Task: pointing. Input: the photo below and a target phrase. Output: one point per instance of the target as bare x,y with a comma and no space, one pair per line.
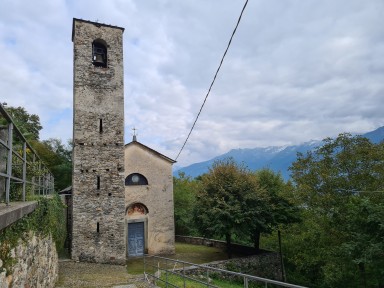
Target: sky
297,70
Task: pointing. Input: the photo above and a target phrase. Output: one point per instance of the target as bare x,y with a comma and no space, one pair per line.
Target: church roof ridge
151,150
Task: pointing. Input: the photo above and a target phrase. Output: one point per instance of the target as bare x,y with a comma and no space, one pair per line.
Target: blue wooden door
136,239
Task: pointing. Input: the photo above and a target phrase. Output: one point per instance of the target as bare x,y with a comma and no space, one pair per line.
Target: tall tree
55,155
280,211
29,124
227,201
184,191
340,186
58,158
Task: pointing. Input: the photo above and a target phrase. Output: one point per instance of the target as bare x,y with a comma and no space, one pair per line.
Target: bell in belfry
98,58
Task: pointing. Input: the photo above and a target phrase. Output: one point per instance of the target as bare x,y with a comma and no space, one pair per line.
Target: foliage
54,154
279,211
28,124
228,201
58,158
34,169
340,242
47,219
184,189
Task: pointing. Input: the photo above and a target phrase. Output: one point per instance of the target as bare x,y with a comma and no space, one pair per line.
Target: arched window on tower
135,179
99,53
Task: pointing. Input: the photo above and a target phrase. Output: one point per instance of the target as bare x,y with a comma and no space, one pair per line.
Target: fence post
245,282
39,177
184,273
144,265
166,273
33,174
9,162
24,168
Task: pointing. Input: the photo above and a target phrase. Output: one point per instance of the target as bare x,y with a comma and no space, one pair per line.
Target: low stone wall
36,264
236,248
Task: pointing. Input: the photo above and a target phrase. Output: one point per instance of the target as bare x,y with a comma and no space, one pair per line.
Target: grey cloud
296,70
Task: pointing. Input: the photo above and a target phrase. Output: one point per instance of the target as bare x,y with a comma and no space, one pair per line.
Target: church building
122,195
148,200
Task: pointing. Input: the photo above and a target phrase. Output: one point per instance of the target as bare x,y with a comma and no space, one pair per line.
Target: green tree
340,242
28,124
184,190
58,158
54,154
228,201
280,211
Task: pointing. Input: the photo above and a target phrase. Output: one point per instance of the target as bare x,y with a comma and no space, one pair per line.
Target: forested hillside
330,215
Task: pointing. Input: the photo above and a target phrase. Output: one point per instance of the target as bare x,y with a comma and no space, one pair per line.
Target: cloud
295,70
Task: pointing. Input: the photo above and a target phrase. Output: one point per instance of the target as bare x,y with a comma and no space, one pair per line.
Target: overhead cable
213,81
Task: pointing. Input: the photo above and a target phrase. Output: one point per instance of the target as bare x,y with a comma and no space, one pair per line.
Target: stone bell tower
98,143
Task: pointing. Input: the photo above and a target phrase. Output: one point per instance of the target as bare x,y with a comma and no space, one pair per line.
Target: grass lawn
179,282
196,254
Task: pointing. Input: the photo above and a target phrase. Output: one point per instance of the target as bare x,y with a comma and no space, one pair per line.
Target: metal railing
168,272
19,163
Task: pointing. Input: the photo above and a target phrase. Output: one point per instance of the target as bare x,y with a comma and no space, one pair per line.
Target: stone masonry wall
36,264
236,248
98,152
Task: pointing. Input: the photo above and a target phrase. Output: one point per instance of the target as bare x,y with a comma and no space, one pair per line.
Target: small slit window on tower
98,183
101,126
99,54
97,227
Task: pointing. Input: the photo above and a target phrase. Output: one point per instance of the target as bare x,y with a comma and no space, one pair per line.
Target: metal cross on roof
134,134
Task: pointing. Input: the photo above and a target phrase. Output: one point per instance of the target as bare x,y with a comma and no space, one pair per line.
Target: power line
214,79
354,191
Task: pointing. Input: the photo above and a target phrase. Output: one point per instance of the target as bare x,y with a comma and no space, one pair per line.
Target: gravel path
92,275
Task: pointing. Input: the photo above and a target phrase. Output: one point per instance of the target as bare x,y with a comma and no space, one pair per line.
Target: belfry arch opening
99,53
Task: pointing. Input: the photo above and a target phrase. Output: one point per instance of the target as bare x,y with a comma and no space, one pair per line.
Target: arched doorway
137,226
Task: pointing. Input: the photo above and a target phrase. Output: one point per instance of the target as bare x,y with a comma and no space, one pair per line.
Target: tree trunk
229,248
256,240
362,273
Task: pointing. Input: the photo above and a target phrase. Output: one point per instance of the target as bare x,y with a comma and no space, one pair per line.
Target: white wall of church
157,196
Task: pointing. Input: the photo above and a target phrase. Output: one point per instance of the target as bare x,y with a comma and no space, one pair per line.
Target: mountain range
276,158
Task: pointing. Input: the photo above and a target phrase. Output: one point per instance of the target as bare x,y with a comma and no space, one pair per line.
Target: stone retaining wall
236,248
36,264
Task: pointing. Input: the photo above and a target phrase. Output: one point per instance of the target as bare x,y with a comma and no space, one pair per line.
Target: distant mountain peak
277,158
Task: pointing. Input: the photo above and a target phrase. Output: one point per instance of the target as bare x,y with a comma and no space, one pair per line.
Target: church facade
122,195
148,200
